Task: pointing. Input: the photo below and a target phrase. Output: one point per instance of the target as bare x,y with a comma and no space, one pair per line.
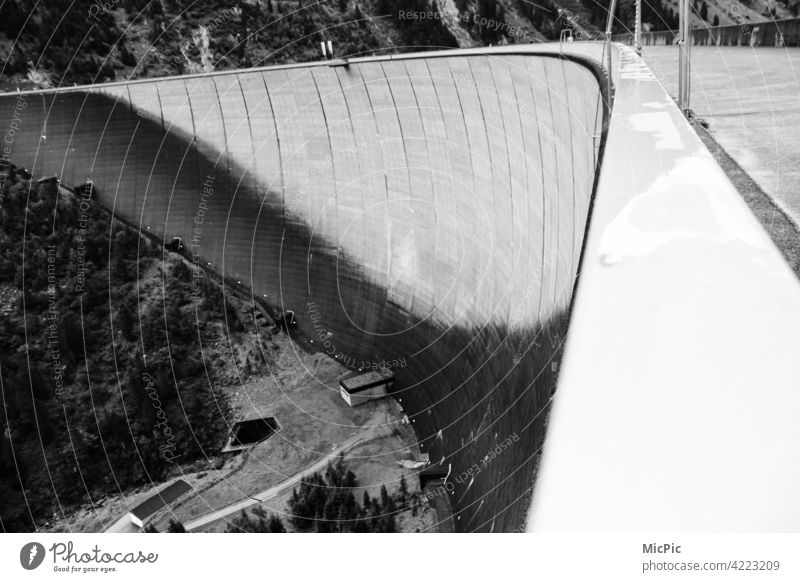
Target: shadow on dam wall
466,390
457,261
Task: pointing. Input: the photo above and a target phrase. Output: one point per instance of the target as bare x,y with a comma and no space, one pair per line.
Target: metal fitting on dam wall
429,211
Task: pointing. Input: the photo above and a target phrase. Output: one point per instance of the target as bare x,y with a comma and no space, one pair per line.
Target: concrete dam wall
778,33
427,212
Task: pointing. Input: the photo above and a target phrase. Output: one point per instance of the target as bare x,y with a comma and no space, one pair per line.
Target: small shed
142,513
362,388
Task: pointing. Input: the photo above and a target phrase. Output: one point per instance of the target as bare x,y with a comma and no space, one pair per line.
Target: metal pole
637,31
688,66
680,54
609,25
683,17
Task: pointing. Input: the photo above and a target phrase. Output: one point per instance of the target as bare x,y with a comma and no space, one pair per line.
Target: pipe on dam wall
429,211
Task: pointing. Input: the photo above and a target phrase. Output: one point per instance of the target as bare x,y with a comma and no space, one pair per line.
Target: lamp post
637,30
684,44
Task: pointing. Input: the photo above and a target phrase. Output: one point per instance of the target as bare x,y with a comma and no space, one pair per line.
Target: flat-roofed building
143,512
363,388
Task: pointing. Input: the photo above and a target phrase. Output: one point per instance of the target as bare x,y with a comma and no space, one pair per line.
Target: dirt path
268,494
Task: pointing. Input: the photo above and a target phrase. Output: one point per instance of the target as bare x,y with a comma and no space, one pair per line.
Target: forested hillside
63,42
112,352
121,39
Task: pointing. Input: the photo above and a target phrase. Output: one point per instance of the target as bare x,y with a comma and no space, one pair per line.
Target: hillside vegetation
112,353
63,42
153,38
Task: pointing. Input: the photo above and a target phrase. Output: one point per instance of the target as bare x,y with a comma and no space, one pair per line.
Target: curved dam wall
427,212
